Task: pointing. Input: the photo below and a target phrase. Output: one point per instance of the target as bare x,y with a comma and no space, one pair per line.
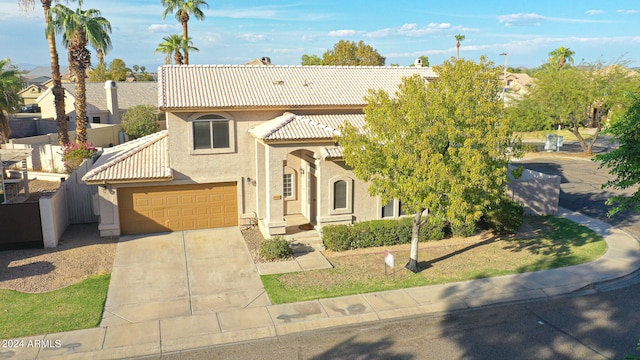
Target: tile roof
331,153
289,126
129,94
143,159
245,86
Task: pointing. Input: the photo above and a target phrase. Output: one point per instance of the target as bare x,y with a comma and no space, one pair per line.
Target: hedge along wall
378,233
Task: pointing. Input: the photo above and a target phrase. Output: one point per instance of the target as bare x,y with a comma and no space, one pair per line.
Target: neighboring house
106,102
31,93
245,144
516,85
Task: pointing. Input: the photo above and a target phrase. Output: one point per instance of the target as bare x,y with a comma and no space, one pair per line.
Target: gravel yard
81,253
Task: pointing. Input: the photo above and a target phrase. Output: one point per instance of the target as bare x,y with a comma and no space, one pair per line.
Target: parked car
31,108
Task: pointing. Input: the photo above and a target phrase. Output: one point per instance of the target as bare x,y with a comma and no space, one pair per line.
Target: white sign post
388,260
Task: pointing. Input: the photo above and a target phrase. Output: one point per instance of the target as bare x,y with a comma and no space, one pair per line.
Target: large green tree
117,71
80,28
183,9
438,146
311,60
574,96
10,85
56,89
350,53
624,161
140,120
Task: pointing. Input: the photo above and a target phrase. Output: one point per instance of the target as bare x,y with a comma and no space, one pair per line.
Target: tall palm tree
10,85
56,89
459,39
183,9
560,56
174,45
80,28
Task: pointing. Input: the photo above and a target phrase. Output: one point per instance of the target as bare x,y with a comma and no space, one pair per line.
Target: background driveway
183,273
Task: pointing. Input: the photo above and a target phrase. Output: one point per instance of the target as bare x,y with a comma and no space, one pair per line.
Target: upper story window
212,133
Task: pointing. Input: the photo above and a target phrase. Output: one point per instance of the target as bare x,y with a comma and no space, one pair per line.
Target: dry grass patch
544,243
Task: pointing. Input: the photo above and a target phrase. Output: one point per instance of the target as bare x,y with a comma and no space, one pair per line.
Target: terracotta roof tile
143,159
244,86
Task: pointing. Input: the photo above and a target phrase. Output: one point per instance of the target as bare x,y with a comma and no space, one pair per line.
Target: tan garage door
177,207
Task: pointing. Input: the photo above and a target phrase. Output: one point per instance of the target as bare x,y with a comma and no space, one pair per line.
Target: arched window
212,133
339,195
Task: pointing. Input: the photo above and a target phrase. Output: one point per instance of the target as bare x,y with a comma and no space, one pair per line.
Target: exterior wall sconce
301,171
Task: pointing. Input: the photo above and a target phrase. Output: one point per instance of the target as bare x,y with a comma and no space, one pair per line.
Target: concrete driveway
158,276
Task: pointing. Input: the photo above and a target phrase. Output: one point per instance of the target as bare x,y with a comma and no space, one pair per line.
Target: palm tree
560,56
56,89
174,45
10,85
182,9
80,28
459,39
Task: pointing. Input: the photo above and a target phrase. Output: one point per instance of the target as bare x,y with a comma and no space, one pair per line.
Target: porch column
274,217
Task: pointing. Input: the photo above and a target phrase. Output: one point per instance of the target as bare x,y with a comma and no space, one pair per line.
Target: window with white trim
287,185
339,195
387,210
211,132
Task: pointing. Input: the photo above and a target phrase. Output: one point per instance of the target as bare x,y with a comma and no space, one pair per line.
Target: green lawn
75,307
552,242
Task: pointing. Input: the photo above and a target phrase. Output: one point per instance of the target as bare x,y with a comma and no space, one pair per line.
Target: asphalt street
598,326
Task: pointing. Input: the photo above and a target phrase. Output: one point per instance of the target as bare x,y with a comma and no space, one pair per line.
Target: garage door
177,207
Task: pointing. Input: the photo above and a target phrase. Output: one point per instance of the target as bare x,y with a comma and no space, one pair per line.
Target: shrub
463,229
140,120
378,233
505,217
73,154
275,248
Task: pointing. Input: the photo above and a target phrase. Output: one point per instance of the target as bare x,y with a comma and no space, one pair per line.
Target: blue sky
235,32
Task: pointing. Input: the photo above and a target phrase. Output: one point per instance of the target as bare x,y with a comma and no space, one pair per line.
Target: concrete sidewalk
155,337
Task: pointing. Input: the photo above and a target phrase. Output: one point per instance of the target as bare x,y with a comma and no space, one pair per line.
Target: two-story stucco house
245,144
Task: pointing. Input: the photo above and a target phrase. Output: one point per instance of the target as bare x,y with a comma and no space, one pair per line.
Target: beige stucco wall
257,168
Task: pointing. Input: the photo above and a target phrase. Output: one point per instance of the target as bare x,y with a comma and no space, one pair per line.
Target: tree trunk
185,33
81,108
56,90
417,222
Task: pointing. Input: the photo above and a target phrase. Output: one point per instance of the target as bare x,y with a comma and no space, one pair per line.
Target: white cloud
410,30
630,11
594,12
288,51
520,19
341,33
251,37
154,28
309,37
249,13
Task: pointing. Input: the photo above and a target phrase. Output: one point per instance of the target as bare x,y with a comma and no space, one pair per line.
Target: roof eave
127,181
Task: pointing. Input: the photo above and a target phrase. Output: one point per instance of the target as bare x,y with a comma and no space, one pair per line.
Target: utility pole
506,65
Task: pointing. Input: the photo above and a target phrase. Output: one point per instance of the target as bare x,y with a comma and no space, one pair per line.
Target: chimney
418,63
112,101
